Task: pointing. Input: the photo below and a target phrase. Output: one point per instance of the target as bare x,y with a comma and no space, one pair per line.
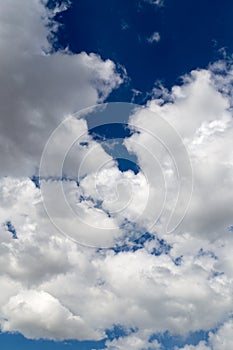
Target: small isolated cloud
154,38
135,94
124,25
159,3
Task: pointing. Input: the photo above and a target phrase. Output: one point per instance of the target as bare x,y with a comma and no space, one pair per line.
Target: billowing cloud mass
38,88
51,287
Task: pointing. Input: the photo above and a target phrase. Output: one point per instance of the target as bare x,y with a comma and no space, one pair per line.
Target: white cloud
37,89
159,3
201,115
38,314
223,338
135,341
154,38
103,286
82,292
201,346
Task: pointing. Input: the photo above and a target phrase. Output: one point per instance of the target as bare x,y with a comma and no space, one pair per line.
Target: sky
116,177
191,36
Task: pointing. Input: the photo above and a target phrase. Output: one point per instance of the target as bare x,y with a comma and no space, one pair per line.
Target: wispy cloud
124,25
154,38
159,3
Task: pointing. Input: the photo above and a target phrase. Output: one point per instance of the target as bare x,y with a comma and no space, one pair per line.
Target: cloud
220,339
124,25
223,338
39,88
134,341
76,292
159,3
201,346
99,285
195,294
38,314
154,38
200,114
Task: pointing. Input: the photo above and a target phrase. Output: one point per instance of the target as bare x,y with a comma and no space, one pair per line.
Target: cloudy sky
116,177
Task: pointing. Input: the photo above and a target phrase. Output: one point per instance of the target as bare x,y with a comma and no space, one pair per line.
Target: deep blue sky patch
17,341
192,33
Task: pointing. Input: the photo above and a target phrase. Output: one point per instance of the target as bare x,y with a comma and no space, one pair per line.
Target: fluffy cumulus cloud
221,339
202,116
38,88
136,341
34,313
201,346
178,281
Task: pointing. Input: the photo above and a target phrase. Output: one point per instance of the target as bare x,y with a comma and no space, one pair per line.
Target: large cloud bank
52,287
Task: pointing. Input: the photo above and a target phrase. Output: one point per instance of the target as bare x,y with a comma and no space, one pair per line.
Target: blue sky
38,91
192,34
10,341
